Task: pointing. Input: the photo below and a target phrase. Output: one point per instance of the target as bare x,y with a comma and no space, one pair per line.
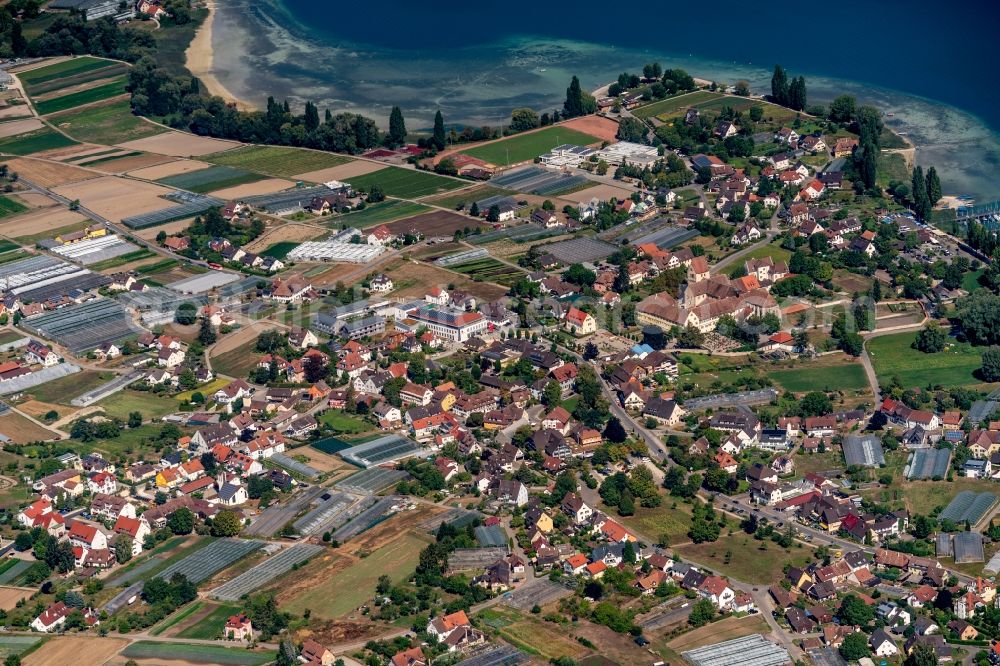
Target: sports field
277,160
105,124
528,146
847,377
210,179
106,91
892,355
341,593
380,213
34,142
406,183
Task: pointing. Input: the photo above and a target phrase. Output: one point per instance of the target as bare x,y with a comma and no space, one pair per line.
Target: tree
186,314
921,203
614,431
922,655
375,193
815,404
552,396
134,419
397,129
493,214
523,119
439,139
933,186
631,129
123,548
206,334
181,521
855,646
573,106
930,339
855,611
702,612
991,364
226,523
779,85
843,108
797,94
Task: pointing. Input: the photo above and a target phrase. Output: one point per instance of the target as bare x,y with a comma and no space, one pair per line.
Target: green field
176,617
833,378
344,424
236,362
78,79
380,213
528,146
17,644
970,280
136,255
892,355
35,142
210,179
106,124
62,69
280,161
466,197
10,206
665,521
490,270
341,593
741,557
406,183
122,403
64,389
280,250
674,104
109,159
200,653
96,94
776,252
211,625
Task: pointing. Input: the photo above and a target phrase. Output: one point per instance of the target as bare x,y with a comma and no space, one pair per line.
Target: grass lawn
776,252
674,104
406,183
892,166
211,625
970,281
35,142
528,146
120,404
346,590
344,424
106,124
380,213
206,390
847,377
281,161
130,441
741,557
532,634
665,521
64,389
818,462
892,355
106,91
200,653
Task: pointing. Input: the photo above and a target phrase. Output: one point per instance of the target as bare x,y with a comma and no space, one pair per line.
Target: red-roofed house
579,322
717,590
239,628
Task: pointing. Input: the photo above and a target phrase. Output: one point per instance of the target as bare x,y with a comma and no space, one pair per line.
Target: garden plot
490,270
208,561
266,571
179,144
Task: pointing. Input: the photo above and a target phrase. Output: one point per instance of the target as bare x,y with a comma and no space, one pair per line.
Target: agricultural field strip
271,568
215,557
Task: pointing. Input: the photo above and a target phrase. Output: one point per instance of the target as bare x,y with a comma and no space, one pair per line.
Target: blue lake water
931,66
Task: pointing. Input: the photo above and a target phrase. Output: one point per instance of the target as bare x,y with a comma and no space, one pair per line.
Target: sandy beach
200,60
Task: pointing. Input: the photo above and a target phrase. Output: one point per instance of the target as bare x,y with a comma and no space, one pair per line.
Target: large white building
449,323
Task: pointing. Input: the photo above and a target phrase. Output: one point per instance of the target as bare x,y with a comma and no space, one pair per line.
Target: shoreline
199,58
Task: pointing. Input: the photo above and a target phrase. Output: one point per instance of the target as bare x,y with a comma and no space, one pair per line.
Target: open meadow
280,161
894,355
529,145
405,183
